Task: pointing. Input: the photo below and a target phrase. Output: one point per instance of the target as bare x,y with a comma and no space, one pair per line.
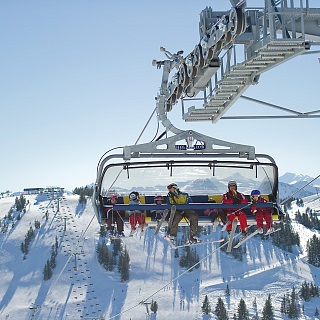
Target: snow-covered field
82,289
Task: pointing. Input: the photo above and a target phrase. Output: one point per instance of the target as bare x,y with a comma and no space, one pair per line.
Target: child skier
158,213
261,213
136,216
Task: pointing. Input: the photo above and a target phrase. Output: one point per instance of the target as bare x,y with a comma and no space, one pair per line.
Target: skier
261,213
136,216
175,196
158,213
216,213
235,197
115,217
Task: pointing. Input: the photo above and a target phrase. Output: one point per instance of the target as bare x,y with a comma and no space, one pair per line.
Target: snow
90,292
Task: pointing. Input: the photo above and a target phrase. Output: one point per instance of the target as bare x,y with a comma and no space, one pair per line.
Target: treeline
24,247
83,193
52,262
5,193
313,251
189,259
309,219
286,237
288,204
289,305
117,256
20,203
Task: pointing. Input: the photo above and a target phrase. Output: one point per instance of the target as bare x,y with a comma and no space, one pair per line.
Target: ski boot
143,228
244,233
193,240
170,239
260,230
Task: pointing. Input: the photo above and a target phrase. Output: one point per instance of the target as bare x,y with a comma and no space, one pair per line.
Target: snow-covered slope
82,289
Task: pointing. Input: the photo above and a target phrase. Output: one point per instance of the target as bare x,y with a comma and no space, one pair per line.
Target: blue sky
76,80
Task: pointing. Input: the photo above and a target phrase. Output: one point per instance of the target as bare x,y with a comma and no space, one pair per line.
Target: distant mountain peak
293,178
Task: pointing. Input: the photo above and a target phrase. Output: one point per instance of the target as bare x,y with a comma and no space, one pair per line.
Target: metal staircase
240,76
235,48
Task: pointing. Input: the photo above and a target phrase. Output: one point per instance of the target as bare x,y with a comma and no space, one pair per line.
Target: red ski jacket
236,198
254,208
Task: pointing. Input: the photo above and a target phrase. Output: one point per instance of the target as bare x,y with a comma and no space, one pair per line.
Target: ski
231,235
246,239
194,244
160,222
224,228
215,224
115,237
143,228
172,245
172,214
268,233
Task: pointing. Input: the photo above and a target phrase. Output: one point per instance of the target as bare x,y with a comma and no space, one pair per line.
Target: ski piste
231,235
160,222
193,244
172,214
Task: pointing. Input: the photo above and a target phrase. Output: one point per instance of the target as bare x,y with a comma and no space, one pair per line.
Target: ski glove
236,201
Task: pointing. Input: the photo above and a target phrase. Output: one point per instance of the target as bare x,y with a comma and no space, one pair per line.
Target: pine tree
82,198
313,251
267,312
220,310
154,306
53,262
47,272
22,247
56,245
305,291
243,313
293,308
227,290
316,314
206,307
254,304
123,265
189,259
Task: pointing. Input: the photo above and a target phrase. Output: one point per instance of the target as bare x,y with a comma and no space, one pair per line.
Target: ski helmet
172,185
158,198
134,195
255,193
232,183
